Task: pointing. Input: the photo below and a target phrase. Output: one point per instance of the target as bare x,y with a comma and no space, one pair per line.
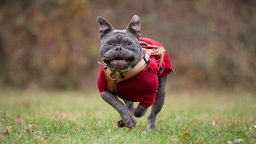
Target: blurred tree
41,39
54,44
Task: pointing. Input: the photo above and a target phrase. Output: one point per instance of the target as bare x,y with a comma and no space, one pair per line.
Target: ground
83,117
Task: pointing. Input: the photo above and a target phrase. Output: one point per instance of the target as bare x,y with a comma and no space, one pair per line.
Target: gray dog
130,73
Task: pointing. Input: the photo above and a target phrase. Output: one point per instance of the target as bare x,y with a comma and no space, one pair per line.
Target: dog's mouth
118,62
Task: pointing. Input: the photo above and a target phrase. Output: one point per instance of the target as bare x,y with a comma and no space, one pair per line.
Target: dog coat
142,87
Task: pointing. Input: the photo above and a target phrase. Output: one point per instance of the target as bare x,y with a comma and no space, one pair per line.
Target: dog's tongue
118,62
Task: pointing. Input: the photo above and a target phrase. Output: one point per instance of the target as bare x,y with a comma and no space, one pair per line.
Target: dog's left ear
134,26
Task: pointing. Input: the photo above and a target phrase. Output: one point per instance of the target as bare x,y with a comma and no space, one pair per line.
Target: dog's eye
128,43
110,43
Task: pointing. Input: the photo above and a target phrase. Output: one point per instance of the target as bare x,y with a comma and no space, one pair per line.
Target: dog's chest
142,86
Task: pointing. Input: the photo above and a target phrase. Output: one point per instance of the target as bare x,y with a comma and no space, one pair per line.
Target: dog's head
120,49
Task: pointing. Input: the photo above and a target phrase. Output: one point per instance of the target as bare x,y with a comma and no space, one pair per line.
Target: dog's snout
118,48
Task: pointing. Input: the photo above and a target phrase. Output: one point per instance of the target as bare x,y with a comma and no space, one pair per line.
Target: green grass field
83,117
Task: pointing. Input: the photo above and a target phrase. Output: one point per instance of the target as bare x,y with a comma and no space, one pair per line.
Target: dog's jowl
133,69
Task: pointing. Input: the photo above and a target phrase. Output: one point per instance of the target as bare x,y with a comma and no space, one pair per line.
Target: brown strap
113,77
155,50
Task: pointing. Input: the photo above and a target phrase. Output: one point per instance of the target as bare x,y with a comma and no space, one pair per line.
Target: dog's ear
105,26
134,26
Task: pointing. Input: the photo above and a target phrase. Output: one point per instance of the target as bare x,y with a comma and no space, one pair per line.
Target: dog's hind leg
159,102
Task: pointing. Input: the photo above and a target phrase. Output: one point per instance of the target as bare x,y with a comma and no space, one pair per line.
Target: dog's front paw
127,121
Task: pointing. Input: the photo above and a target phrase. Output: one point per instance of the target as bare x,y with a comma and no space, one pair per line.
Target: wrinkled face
120,49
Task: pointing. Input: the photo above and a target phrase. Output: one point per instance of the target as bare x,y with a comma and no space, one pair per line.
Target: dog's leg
140,111
130,106
159,101
124,112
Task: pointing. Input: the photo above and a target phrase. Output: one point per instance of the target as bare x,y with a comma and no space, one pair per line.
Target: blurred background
46,44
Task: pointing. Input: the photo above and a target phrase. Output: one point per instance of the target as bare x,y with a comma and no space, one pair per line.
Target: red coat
166,65
143,86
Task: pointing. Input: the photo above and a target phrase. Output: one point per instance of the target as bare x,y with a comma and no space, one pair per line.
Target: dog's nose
118,49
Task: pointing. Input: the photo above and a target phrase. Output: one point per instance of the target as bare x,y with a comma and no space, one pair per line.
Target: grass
83,117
